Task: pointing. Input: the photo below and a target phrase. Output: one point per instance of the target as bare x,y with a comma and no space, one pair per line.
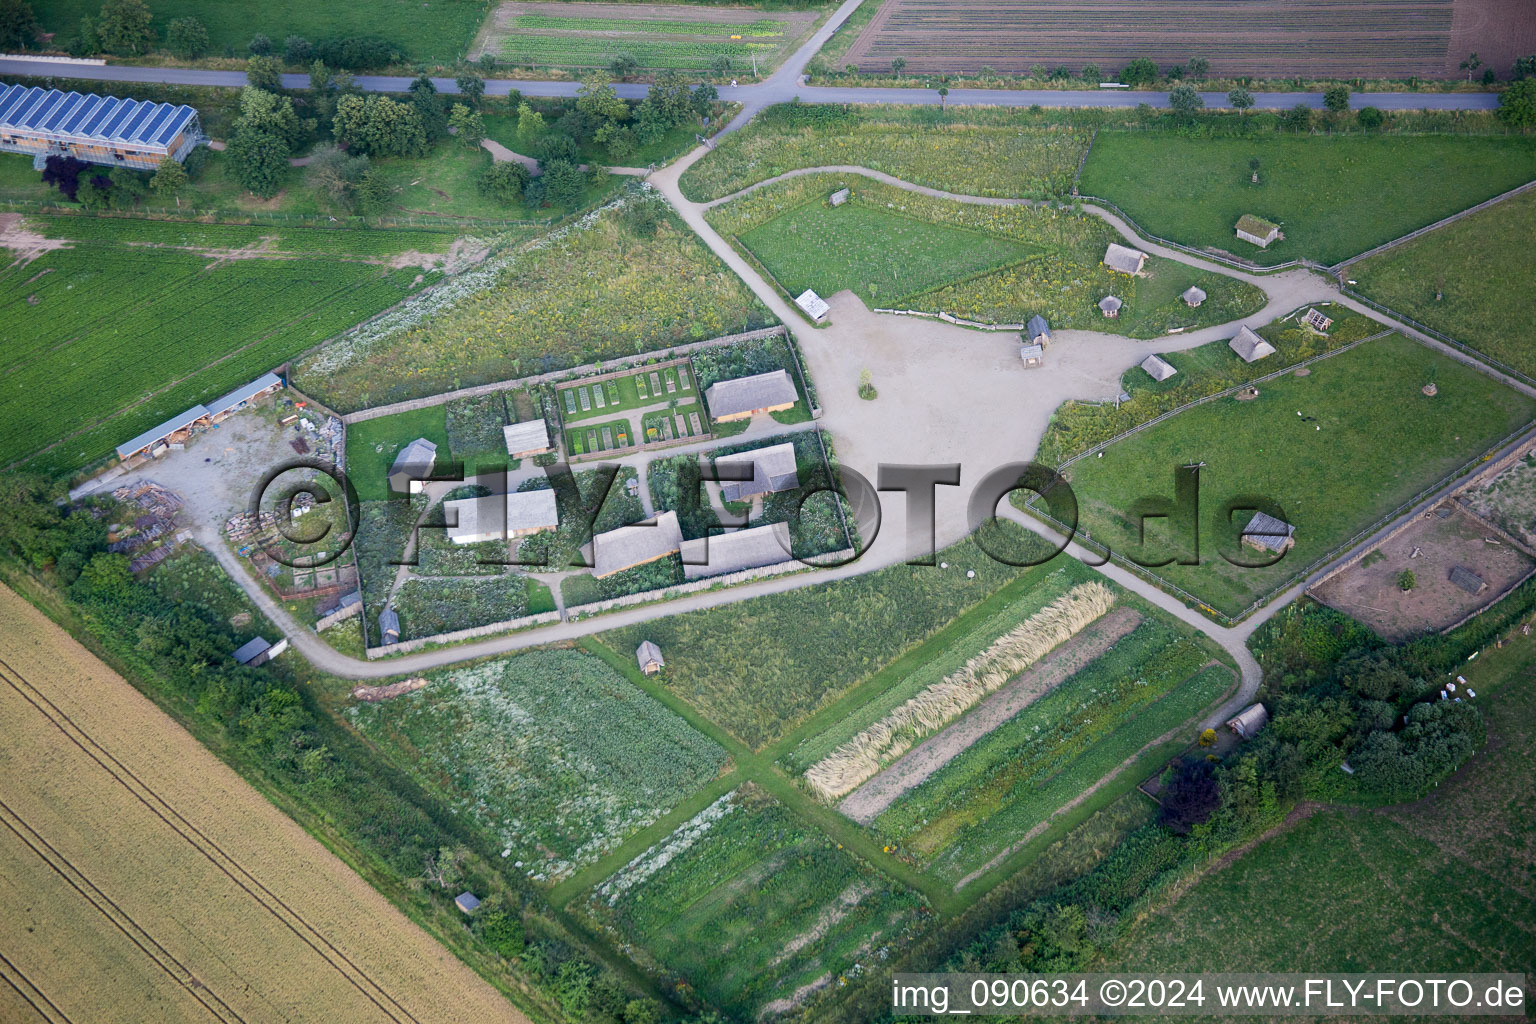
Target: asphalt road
780,88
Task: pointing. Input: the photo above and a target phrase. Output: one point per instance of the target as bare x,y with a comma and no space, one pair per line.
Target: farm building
743,397
1193,296
740,549
1158,368
1109,305
840,197
1315,321
175,430
389,625
501,516
629,546
1257,230
649,658
1033,356
813,306
467,902
227,405
1037,331
412,466
1266,533
258,652
1468,580
1249,721
526,439
1250,346
773,470
97,129
1123,259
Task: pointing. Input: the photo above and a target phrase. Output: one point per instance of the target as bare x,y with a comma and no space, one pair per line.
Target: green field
746,904
997,264
1333,475
600,288
978,151
1459,864
1480,268
139,320
373,444
435,30
1334,196
552,752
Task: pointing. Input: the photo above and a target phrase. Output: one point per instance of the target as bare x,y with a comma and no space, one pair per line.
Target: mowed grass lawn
425,29
372,446
1451,877
1373,441
1334,196
878,255
1481,266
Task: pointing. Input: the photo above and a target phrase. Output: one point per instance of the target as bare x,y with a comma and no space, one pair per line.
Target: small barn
773,470
1257,230
526,439
1250,347
1124,260
743,397
389,626
1158,368
227,405
467,902
1468,580
648,655
629,546
1312,320
737,551
1266,533
501,516
840,197
1247,723
1109,305
257,652
175,430
1037,331
1033,356
412,466
813,306
1193,296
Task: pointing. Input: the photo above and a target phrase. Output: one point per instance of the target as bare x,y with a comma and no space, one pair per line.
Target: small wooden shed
467,902
649,657
1249,721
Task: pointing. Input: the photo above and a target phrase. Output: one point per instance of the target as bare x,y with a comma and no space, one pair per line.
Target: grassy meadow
1460,864
552,752
1332,474
1478,266
136,320
568,36
999,264
607,286
1334,196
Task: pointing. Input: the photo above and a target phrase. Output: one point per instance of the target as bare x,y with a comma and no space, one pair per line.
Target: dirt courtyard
1368,591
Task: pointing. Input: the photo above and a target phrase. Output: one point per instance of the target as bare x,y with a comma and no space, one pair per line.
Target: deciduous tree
187,38
18,24
125,26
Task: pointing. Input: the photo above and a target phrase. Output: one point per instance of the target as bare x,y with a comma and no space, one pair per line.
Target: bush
187,38
502,932
1436,740
1141,71
357,53
296,50
1406,580
503,183
260,45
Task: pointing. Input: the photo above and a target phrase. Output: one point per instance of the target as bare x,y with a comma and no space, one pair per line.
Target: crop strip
31,994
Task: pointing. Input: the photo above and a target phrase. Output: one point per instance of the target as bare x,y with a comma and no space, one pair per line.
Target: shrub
1141,71
503,183
186,38
1406,580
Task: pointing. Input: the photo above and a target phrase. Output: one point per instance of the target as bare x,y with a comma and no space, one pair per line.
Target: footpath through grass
1334,196
1472,280
1337,449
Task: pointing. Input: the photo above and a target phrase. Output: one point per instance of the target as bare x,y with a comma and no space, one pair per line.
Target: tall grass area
940,703
1335,196
973,151
1373,440
626,279
1000,264
746,904
552,752
1471,280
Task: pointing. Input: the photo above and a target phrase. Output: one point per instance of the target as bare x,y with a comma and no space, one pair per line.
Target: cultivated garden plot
1391,39
1334,196
208,308
1328,447
552,752
971,151
998,264
1469,280
597,288
752,909
1508,500
656,36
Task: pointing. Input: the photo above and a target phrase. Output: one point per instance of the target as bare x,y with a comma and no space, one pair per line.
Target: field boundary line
1338,268
100,901
120,772
1475,355
9,973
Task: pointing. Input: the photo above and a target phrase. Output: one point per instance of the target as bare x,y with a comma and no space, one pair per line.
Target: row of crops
577,51
761,27
360,244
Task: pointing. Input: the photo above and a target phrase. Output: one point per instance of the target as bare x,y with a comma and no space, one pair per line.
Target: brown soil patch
1370,593
1303,371
26,244
917,765
1497,31
374,694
